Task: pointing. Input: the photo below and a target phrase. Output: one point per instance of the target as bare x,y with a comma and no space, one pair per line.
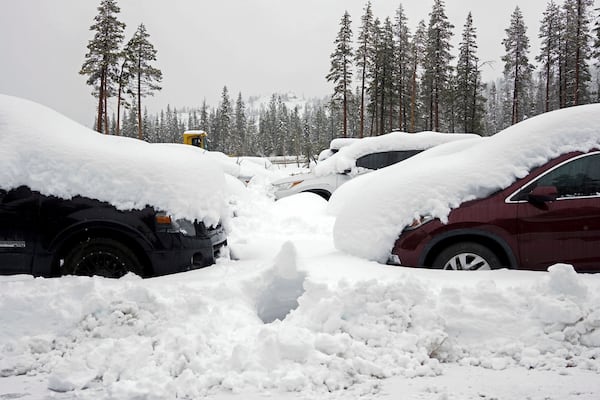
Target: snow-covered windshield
54,155
373,209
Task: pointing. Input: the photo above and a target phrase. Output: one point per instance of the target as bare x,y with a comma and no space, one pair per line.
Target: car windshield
384,159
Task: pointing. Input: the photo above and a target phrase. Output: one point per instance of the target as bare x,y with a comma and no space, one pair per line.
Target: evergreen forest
384,77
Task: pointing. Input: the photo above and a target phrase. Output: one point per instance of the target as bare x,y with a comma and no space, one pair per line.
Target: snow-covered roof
56,156
373,209
350,151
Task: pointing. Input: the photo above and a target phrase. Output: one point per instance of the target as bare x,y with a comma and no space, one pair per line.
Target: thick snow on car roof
54,155
345,158
373,209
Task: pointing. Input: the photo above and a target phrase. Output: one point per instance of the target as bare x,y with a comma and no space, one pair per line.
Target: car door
566,229
18,211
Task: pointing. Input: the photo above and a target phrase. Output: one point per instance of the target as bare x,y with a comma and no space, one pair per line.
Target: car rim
101,263
467,262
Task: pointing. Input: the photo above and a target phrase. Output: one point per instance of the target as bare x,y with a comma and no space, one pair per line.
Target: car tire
469,256
103,257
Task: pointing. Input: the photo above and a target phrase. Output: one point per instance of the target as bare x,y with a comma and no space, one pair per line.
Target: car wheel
468,256
103,257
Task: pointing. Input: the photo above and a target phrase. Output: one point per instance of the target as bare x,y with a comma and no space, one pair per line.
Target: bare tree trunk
100,102
362,98
577,54
118,126
106,130
345,105
139,100
413,98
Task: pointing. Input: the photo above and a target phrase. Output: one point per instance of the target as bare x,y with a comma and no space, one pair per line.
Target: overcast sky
255,47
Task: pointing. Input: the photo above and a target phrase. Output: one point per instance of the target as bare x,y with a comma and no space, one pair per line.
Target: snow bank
373,209
196,334
352,149
56,156
340,324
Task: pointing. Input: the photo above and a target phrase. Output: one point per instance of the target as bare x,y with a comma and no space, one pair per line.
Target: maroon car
550,216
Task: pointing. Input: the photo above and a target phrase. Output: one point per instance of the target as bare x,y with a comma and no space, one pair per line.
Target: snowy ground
294,318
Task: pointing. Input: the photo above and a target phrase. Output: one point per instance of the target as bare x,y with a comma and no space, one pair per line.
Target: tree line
392,78
386,78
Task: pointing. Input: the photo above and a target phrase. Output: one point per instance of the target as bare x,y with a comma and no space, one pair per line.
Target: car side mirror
543,194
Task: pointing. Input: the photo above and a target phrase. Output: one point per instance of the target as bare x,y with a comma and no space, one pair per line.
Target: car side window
577,178
384,159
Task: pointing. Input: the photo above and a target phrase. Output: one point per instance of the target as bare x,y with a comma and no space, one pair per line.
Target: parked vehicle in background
196,138
354,157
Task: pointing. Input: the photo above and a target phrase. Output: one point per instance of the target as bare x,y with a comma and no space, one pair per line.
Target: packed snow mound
372,210
56,156
352,149
196,334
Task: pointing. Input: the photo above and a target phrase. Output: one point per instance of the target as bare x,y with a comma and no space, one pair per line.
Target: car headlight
419,222
287,185
168,224
186,227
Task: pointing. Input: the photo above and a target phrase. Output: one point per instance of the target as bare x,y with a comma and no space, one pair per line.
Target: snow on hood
54,155
345,158
373,209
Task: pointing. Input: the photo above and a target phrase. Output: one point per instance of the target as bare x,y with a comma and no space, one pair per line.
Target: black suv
49,236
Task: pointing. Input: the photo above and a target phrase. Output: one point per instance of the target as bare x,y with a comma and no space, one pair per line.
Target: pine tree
374,68
437,63
365,39
403,62
596,30
388,77
340,72
578,52
240,141
550,30
469,110
224,124
102,58
492,120
517,69
145,78
417,59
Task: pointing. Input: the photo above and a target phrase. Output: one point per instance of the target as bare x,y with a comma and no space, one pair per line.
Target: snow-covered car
528,197
359,156
74,201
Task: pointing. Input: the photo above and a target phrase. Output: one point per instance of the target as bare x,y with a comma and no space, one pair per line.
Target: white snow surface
57,156
373,209
294,318
352,149
290,317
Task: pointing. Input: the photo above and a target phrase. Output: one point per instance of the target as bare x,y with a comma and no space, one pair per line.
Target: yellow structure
195,138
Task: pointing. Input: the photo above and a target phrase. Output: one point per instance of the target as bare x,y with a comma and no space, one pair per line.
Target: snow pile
350,151
56,156
340,325
195,334
373,209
